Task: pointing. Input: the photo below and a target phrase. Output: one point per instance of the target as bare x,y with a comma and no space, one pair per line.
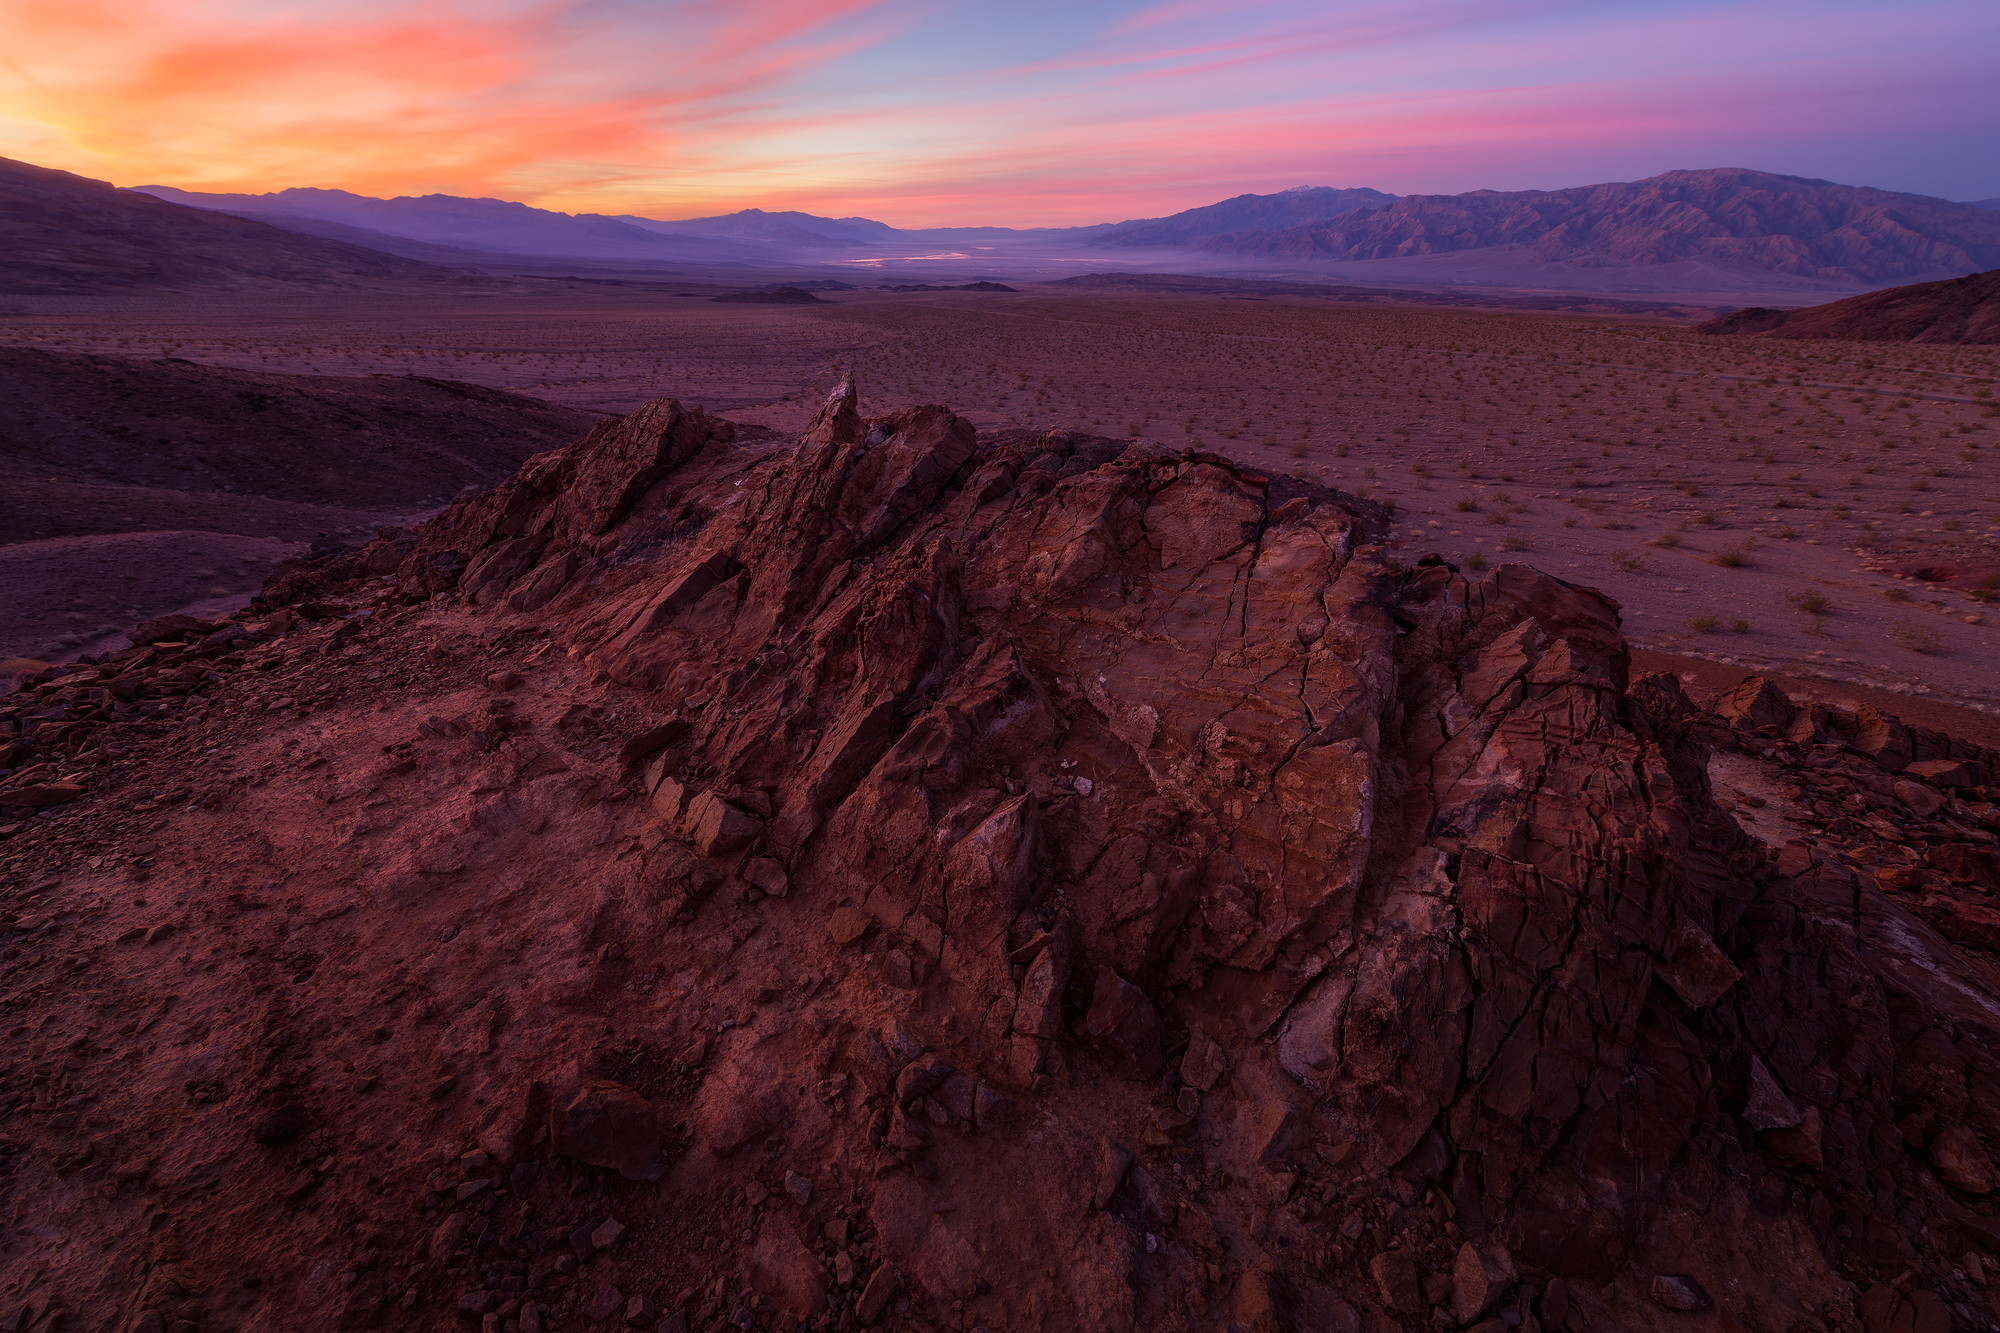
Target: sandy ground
89,589
1746,501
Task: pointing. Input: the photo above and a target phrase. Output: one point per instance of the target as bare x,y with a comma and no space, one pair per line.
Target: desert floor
1819,508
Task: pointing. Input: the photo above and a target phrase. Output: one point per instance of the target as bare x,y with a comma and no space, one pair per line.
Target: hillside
132,486
64,233
1957,310
1732,218
897,879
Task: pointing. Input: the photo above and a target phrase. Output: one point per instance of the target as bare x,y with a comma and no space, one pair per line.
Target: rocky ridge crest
1144,905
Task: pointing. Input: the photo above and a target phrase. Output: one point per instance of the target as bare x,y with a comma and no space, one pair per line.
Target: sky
1022,113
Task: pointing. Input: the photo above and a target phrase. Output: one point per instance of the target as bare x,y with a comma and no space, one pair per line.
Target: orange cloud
549,97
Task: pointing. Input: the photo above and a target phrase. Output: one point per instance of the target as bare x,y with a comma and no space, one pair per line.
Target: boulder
608,1124
1124,1026
1677,1291
1962,1160
1204,1063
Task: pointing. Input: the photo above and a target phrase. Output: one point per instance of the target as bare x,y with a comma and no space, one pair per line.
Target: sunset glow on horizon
1030,114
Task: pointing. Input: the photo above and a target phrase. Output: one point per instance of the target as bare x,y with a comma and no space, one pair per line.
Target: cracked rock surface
892,877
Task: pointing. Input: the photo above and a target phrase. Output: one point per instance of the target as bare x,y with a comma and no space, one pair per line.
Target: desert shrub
1631,562
1811,601
1896,594
1705,624
1466,505
1516,541
1738,625
1918,637
1667,540
1477,560
1730,557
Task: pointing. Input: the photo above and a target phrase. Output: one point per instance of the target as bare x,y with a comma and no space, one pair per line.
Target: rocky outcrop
1145,903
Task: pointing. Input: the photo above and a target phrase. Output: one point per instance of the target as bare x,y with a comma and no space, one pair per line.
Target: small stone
1112,1164
843,1270
1677,1291
1922,800
40,795
445,1240
149,1321
1124,1026
503,681
159,932
896,969
640,1312
847,925
608,1124
607,1234
1204,1064
876,1295
531,1318
1395,1276
607,1302
799,1188
1962,1161
473,1162
475,1302
1469,1287
524,1175
1767,1106
719,828
473,1187
768,874
443,1087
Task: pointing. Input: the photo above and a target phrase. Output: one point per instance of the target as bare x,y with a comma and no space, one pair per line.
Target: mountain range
1779,224
1721,230
65,233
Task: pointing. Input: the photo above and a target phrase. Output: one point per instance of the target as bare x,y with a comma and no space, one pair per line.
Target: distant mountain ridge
66,233
495,226
1745,219
1246,212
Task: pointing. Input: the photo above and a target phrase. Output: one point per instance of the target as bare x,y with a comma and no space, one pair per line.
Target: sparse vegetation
1731,557
1629,562
1918,637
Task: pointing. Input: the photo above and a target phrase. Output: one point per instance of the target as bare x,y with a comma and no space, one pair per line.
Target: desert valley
1274,769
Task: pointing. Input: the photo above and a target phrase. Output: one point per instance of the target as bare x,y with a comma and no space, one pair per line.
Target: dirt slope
1959,310
130,486
889,880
